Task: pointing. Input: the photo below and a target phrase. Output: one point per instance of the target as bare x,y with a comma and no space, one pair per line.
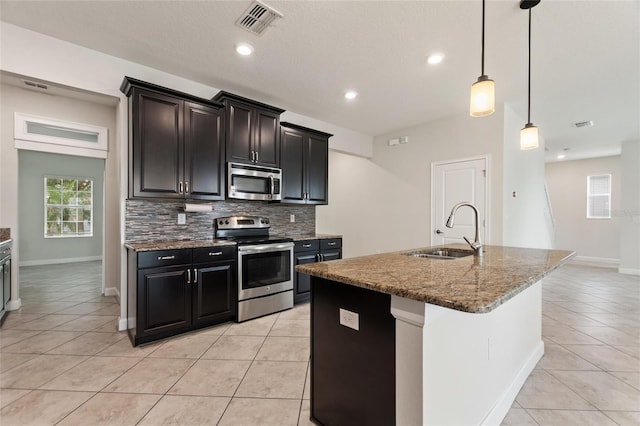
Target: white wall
594,239
526,216
383,203
629,214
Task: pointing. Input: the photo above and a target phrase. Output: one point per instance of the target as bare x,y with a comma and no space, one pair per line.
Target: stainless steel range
265,265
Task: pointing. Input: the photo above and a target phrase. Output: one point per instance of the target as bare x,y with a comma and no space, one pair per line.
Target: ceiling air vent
580,124
258,17
35,85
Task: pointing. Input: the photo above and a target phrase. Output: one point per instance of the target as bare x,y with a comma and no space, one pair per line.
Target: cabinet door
164,301
317,169
292,162
204,152
240,132
302,282
266,142
157,145
214,295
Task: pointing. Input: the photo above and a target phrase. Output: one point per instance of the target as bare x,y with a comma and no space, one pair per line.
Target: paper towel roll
190,207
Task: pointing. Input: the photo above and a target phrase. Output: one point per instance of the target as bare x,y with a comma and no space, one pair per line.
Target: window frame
62,206
591,195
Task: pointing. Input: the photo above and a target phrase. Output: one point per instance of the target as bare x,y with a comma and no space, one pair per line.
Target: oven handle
264,248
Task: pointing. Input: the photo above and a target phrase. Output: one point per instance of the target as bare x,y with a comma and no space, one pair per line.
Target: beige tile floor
63,362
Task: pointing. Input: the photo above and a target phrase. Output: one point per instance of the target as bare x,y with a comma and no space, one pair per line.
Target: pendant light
529,133
483,91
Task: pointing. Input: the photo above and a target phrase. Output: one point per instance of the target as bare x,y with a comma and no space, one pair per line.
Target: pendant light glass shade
483,91
483,97
529,137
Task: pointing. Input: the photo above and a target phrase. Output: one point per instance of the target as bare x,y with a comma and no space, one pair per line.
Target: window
68,206
599,197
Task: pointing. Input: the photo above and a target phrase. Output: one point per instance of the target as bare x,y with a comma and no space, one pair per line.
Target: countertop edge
452,304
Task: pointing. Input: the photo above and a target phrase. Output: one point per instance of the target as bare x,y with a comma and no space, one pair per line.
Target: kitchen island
398,339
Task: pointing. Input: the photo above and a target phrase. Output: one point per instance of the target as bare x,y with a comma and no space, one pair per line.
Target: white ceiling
585,57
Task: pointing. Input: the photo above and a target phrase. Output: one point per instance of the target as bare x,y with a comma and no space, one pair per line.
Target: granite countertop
187,244
301,237
5,234
176,244
469,284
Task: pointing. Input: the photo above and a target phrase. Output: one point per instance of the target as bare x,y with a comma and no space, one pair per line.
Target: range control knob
226,222
265,221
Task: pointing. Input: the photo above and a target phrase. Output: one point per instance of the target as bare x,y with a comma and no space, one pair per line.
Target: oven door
264,269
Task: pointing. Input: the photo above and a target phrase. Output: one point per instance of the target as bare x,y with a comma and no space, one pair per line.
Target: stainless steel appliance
5,276
247,182
265,265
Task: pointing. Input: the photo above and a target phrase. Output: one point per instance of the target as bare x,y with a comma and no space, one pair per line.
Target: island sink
441,253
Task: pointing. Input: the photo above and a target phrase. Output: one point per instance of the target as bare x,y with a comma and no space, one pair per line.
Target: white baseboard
59,261
629,271
500,410
112,291
14,304
122,324
601,262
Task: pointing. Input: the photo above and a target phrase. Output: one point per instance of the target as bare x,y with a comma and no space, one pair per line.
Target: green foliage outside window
68,207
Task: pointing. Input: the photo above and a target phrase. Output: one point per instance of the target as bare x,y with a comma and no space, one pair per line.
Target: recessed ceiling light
436,58
561,156
351,94
244,49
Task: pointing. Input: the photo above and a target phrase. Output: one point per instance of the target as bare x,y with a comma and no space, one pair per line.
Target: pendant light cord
529,81
482,70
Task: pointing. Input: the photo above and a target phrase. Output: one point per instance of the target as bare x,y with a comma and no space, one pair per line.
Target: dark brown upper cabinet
176,144
252,130
305,165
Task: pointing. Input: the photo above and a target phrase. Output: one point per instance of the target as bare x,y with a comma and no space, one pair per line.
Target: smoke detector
258,18
580,124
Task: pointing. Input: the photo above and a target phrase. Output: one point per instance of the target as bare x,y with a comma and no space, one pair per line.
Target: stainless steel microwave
249,182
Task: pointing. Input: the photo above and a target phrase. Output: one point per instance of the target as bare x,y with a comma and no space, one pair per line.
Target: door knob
439,232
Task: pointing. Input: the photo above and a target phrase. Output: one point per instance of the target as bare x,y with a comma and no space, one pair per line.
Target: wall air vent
35,85
580,124
258,17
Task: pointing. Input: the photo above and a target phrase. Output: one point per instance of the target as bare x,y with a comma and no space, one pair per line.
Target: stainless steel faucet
476,245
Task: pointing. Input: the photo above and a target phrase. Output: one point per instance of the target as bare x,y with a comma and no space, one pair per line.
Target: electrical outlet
349,319
292,218
182,218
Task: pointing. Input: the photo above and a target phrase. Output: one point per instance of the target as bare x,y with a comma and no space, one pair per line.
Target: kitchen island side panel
352,371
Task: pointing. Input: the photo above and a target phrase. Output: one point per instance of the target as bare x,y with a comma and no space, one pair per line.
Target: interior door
454,182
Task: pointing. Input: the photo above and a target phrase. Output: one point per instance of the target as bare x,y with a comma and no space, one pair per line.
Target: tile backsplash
157,220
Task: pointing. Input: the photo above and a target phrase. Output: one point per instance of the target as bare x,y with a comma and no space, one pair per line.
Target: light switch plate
182,218
350,319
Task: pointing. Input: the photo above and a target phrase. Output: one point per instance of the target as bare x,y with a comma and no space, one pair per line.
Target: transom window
599,196
68,206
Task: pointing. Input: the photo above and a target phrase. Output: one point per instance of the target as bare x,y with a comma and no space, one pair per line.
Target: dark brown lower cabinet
169,294
311,251
214,295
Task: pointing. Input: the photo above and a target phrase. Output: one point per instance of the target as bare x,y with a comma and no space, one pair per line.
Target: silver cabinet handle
188,276
253,156
186,187
257,159
306,245
215,253
332,243
180,187
195,276
166,257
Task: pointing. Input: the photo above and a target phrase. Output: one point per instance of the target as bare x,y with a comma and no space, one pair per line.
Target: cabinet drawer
152,259
331,243
214,254
307,245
